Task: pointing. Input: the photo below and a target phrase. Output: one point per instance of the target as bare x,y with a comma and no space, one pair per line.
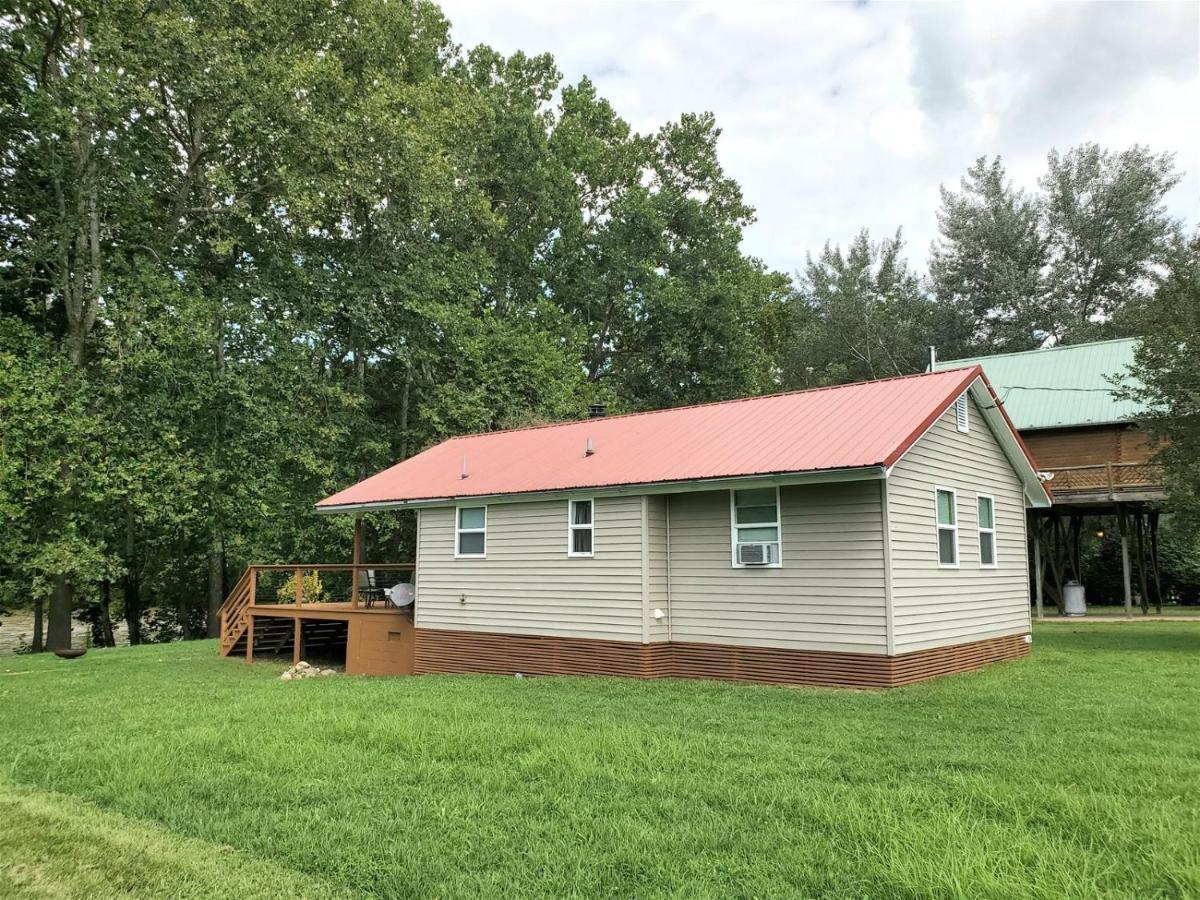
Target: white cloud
841,116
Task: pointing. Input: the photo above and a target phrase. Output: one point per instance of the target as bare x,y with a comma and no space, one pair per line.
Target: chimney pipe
597,411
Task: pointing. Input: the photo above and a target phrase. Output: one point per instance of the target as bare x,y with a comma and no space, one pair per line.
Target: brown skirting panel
449,652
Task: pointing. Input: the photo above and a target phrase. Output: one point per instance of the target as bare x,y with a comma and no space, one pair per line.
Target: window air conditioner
754,554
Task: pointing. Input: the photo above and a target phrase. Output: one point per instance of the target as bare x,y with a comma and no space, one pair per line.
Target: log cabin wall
1054,448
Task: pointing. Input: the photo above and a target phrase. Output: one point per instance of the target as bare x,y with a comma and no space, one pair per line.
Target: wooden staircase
235,612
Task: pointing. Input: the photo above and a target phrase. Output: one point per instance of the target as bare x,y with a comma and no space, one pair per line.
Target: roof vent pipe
932,358
464,468
590,449
597,411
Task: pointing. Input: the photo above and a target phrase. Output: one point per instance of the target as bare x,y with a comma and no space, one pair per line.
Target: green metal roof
1061,387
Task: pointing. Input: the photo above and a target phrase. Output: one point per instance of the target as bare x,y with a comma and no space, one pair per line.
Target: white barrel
1074,599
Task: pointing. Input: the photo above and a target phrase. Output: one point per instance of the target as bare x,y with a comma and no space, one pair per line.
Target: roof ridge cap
975,360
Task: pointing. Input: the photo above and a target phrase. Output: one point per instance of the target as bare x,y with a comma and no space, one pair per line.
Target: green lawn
1170,609
164,770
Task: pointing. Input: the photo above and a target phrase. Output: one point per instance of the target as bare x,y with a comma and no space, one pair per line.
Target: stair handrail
238,600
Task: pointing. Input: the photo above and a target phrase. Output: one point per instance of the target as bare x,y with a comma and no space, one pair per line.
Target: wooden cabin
864,535
1097,459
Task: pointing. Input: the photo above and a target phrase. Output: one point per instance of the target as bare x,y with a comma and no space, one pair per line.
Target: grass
1169,609
164,770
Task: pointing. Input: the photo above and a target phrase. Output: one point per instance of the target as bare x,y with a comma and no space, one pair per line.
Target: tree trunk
131,590
405,397
216,589
79,277
62,601
132,601
37,644
107,638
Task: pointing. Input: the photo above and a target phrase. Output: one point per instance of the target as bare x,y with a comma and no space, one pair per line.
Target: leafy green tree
1168,367
649,261
1071,263
987,265
1108,233
858,314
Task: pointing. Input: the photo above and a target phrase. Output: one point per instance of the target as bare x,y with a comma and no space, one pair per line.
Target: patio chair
369,589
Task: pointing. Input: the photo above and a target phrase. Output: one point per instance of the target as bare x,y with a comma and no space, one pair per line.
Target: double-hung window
755,524
581,526
986,512
470,532
947,528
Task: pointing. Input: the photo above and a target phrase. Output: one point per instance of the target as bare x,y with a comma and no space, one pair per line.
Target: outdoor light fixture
1099,534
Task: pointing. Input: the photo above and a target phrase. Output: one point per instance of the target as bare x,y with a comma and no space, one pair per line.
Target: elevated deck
1107,483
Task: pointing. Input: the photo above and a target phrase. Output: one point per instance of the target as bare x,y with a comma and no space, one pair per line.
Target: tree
1167,365
857,315
1108,234
648,262
987,264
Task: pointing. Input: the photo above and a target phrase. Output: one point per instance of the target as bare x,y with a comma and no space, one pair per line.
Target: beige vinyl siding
656,573
528,584
827,595
933,606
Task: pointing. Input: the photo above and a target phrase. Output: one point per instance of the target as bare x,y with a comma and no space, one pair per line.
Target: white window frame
992,531
962,414
572,527
459,530
939,528
733,527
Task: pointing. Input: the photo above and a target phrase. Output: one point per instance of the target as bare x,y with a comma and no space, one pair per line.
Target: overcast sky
841,116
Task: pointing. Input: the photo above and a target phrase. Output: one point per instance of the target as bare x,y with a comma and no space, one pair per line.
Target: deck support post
1154,561
1125,562
250,639
1139,521
356,559
1039,569
297,637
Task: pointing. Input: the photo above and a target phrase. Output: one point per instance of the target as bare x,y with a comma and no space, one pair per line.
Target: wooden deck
375,639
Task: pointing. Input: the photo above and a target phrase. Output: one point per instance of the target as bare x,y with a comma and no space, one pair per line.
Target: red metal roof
859,425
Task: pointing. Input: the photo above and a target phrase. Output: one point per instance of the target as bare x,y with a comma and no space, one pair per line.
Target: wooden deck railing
1110,478
235,611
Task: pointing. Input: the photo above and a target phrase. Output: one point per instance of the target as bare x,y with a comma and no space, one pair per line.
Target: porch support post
297,636
250,639
357,561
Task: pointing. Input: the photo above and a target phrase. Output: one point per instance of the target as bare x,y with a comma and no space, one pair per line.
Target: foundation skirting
448,652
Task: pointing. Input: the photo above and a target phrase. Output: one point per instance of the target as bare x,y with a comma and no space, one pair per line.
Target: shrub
310,586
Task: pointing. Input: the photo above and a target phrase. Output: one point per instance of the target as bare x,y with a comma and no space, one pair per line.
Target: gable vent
960,414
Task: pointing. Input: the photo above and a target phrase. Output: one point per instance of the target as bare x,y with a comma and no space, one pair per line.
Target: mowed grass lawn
165,771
